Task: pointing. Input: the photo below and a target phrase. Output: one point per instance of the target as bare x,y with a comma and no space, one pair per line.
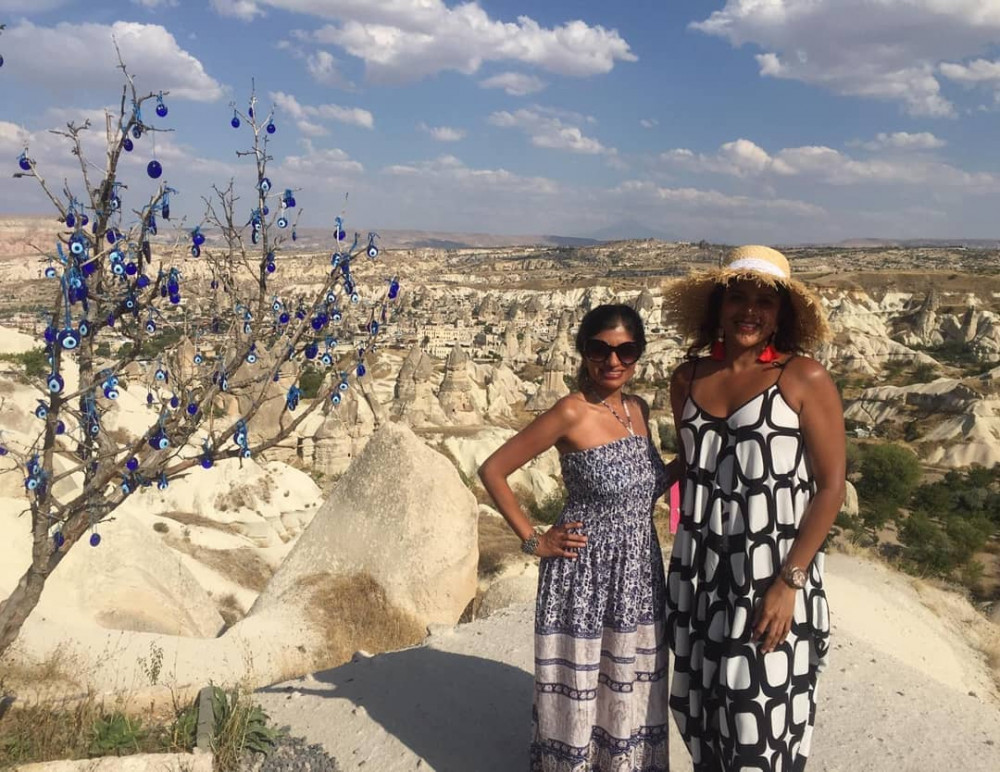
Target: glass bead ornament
235,122
127,144
154,169
54,383
161,109
58,540
270,128
95,539
132,464
24,162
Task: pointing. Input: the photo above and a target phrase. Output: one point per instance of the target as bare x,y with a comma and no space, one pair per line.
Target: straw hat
685,301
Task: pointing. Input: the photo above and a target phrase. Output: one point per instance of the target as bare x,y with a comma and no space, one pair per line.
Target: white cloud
244,10
902,140
322,66
889,49
712,200
443,133
307,116
515,83
152,5
550,131
978,71
448,168
405,40
38,56
648,123
327,163
818,163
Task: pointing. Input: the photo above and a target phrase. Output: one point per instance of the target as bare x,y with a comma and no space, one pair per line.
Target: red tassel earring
718,350
769,354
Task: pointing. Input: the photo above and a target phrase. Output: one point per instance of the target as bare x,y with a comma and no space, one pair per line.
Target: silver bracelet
530,545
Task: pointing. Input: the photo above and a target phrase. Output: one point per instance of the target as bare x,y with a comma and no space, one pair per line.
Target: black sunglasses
596,350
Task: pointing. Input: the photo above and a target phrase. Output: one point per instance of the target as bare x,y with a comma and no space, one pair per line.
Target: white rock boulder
400,514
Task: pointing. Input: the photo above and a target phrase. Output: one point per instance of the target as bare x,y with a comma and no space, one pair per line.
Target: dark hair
607,317
786,336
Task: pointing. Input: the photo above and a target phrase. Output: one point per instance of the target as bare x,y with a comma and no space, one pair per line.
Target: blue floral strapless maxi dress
600,655
747,485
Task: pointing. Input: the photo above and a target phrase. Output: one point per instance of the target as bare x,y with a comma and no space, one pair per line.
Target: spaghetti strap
694,372
781,368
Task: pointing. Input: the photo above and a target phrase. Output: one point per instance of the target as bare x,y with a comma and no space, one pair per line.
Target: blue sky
734,120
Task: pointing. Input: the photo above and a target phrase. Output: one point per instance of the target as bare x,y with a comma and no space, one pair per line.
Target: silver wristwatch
529,545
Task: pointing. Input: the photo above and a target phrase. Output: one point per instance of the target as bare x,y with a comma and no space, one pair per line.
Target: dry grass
243,565
245,496
190,518
355,614
230,609
497,545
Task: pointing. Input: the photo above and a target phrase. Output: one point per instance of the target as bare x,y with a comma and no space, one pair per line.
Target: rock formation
455,394
400,514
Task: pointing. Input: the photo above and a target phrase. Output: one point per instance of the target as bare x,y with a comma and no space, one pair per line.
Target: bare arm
821,419
540,435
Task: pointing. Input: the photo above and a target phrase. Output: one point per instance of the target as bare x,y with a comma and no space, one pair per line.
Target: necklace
627,421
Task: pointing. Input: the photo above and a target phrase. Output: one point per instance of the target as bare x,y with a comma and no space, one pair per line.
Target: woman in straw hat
600,701
762,433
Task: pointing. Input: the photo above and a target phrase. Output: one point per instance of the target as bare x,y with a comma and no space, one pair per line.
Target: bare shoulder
643,405
684,372
570,408
804,380
805,370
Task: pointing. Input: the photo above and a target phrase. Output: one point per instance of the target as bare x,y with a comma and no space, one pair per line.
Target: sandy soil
906,690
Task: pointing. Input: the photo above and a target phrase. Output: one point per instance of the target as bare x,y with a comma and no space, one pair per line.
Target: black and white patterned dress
746,487
600,654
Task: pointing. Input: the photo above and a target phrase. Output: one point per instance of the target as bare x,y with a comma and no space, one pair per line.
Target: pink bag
675,506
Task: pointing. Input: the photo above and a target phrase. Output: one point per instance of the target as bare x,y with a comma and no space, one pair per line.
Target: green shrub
116,735
310,382
548,509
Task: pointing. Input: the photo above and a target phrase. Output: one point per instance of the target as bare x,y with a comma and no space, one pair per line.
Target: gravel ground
292,754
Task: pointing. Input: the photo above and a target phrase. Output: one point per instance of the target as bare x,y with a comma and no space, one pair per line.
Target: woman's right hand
561,541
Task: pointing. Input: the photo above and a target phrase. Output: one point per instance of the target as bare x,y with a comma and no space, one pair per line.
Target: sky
775,121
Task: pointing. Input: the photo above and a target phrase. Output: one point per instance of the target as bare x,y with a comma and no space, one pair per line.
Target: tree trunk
21,602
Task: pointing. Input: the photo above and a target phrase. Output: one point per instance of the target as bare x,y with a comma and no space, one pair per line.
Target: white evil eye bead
55,383
162,484
76,248
31,483
195,251
326,359
224,383
160,375
118,269
372,251
335,399
251,358
264,185
245,453
198,359
84,328
41,412
336,316
282,222
343,386
50,272
276,305
111,393
150,326
355,297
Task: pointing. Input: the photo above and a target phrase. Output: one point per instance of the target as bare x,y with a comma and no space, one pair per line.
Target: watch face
795,577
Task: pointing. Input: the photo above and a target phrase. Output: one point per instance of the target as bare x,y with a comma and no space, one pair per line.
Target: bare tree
211,329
